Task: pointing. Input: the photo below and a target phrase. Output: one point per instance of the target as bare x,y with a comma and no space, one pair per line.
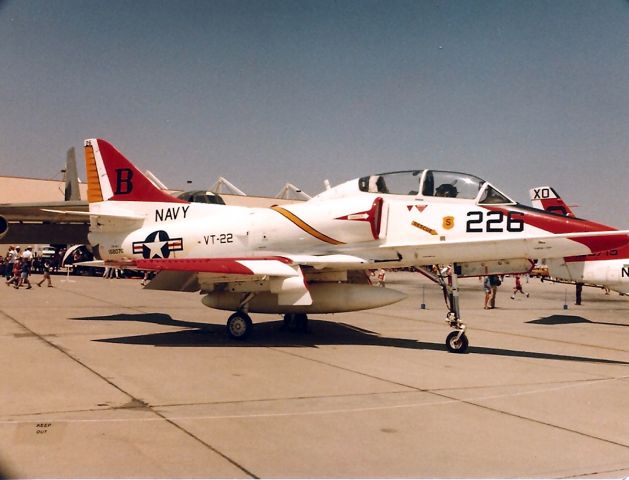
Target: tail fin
111,177
546,198
72,191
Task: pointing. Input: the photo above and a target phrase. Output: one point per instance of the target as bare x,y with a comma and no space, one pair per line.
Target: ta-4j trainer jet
312,257
608,268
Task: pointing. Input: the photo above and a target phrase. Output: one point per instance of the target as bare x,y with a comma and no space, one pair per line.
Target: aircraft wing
44,211
175,281
187,274
272,266
30,223
277,274
184,274
175,272
191,274
442,250
22,223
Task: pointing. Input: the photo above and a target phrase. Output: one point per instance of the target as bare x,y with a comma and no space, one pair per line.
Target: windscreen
452,185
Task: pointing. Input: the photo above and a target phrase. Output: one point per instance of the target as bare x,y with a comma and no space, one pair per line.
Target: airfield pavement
101,379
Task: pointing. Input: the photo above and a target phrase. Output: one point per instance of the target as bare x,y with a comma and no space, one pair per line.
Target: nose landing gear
456,341
448,280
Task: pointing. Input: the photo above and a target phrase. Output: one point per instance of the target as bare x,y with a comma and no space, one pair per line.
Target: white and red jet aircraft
311,257
608,268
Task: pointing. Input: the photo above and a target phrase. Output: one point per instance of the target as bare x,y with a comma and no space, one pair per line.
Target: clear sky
521,93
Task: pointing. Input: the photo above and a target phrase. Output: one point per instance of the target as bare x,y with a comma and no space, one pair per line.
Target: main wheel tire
289,321
239,325
301,322
456,346
296,322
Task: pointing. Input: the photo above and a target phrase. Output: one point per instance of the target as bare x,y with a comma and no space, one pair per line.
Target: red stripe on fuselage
560,224
621,253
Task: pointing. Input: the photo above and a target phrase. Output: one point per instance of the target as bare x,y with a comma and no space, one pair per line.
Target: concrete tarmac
101,379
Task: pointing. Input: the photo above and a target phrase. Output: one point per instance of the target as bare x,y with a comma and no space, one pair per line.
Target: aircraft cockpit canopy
434,183
201,196
396,183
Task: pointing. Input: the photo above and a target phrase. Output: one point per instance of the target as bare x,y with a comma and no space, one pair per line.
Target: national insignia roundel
158,245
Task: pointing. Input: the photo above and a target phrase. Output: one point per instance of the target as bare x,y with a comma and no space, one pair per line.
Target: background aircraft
608,268
28,223
312,257
53,222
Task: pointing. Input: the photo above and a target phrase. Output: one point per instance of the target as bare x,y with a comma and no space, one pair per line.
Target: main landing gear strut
296,322
456,341
239,324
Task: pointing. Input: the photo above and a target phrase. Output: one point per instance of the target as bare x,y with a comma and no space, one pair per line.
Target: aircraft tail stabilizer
71,191
546,198
111,177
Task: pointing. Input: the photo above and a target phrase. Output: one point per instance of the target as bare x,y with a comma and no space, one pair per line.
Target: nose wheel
456,342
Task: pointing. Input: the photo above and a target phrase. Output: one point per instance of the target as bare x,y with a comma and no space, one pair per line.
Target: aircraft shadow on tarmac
273,334
570,319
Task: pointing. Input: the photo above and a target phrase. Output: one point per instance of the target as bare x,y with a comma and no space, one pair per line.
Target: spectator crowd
17,266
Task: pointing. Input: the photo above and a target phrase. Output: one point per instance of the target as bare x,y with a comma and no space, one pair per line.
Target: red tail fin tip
123,181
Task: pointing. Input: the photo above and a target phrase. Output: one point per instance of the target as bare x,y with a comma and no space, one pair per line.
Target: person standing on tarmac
11,257
25,271
487,289
15,273
47,269
579,289
27,256
490,285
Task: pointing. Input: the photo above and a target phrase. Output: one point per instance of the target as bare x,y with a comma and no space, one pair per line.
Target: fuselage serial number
494,222
221,238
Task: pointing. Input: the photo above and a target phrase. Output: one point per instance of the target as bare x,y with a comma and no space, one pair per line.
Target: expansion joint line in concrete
133,398
463,401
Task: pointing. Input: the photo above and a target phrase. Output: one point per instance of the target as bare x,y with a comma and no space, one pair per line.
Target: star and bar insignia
158,245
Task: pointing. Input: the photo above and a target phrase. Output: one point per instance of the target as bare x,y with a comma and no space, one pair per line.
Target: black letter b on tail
123,181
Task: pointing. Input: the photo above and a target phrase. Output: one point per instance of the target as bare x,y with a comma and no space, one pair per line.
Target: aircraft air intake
4,227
